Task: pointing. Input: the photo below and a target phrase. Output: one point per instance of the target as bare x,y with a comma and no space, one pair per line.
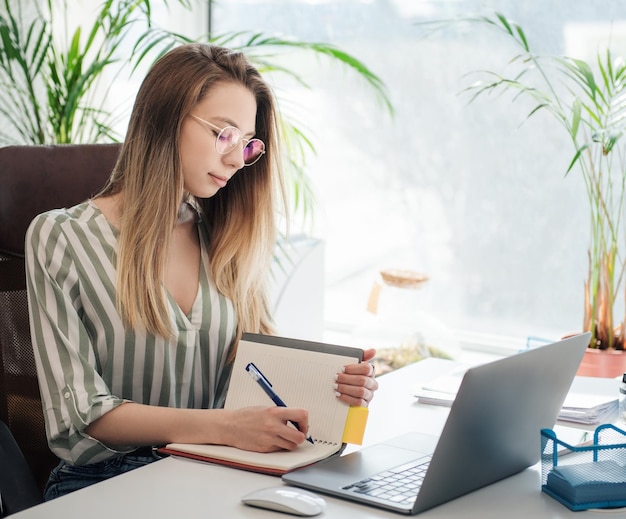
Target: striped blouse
88,362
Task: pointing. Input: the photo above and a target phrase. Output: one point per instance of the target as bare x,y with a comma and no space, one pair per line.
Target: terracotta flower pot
603,363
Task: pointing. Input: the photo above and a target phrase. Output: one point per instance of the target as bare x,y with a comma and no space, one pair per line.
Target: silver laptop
492,432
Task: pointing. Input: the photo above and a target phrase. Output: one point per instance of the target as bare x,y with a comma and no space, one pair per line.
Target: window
464,193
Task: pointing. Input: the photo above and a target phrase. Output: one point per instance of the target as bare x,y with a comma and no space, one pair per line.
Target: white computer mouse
290,500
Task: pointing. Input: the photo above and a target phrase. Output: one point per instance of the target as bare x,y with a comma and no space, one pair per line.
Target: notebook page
292,373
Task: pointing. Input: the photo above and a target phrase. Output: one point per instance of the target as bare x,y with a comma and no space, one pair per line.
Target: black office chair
18,488
34,179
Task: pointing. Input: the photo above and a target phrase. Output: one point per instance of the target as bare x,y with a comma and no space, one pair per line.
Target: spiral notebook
302,373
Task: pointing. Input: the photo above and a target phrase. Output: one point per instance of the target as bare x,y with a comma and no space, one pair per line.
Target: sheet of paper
292,372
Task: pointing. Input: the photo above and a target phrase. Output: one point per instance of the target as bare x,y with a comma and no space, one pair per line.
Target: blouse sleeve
73,392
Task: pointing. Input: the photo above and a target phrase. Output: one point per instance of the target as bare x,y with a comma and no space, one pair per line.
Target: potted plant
54,83
587,99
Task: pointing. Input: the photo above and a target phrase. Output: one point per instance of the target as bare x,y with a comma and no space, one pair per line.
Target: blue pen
266,385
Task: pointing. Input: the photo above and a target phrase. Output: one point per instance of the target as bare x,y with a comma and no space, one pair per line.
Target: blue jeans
66,478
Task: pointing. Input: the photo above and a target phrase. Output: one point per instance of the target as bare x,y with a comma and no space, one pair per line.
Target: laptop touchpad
414,441
381,456
370,461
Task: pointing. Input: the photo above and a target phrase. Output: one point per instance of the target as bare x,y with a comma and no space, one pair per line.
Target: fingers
364,368
297,420
356,385
267,429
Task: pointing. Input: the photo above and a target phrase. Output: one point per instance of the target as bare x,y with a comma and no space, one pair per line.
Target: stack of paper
442,390
589,403
600,481
588,409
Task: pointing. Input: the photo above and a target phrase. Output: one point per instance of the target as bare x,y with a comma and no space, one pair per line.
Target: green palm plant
52,91
588,100
48,80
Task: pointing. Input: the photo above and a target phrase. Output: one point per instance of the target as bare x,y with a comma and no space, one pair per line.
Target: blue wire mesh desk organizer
585,476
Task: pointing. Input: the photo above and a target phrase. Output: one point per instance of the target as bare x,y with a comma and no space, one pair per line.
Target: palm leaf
259,43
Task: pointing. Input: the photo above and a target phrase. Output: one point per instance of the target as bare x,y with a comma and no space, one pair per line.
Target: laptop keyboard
398,485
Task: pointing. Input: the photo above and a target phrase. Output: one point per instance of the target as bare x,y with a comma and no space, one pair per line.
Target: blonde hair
239,219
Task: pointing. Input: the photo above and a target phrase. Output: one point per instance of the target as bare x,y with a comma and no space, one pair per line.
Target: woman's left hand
356,384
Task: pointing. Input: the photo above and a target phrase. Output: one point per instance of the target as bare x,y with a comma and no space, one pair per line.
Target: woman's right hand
267,429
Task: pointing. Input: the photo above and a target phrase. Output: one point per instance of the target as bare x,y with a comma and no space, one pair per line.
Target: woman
139,296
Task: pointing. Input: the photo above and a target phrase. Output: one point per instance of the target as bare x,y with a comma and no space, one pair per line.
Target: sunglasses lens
227,139
254,149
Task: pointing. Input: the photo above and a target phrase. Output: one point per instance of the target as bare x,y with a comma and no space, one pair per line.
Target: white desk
178,488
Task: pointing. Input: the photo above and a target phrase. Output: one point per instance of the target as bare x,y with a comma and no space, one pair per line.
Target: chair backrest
18,487
34,179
